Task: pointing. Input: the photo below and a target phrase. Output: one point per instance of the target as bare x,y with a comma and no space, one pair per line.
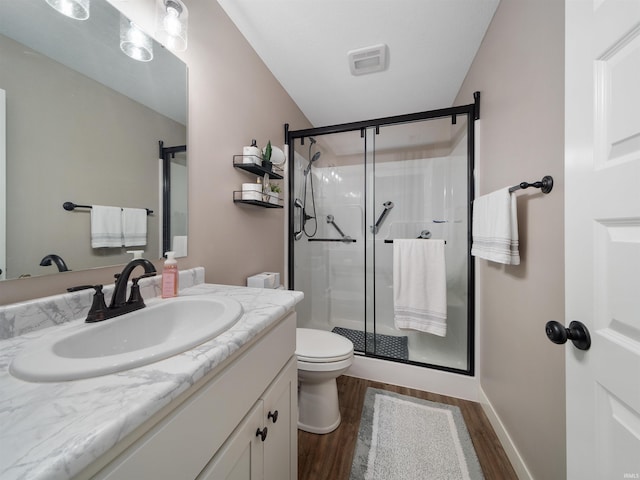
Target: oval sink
156,332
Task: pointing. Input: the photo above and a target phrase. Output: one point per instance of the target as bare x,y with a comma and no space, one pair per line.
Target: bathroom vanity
224,409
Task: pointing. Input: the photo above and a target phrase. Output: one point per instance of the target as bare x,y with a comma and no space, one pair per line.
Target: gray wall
520,71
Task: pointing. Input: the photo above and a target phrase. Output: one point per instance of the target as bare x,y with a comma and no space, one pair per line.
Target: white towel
420,285
106,226
134,227
495,227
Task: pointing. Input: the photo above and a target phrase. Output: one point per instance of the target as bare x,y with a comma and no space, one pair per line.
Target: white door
602,235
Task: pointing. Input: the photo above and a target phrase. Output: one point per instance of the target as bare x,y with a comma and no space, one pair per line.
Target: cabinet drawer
181,444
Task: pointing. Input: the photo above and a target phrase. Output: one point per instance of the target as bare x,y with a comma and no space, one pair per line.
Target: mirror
82,123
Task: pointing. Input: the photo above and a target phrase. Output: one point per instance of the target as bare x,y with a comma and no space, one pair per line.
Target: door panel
602,249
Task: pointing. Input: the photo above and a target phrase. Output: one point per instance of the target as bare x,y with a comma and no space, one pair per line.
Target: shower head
298,203
315,157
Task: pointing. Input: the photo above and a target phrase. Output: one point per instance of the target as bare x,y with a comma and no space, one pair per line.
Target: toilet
322,357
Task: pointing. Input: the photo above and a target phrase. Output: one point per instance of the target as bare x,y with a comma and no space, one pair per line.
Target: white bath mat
406,438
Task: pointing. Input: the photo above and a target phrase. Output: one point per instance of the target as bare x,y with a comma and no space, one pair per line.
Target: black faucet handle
134,296
98,310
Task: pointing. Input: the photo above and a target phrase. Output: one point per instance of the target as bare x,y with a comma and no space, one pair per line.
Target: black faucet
119,304
119,298
46,261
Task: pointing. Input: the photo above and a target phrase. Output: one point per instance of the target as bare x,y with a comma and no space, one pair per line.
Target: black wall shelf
259,170
237,198
255,168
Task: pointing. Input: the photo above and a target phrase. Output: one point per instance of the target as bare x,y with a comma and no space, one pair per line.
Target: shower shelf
237,198
256,169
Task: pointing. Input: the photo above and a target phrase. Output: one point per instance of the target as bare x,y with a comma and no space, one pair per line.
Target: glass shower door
417,189
328,230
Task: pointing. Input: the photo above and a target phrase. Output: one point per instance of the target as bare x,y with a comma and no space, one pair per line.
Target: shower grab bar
343,240
546,185
424,235
70,206
387,206
391,241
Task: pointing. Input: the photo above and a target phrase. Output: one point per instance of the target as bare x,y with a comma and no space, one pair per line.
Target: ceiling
431,45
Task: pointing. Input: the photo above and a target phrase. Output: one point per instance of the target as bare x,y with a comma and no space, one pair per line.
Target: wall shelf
237,198
267,200
238,162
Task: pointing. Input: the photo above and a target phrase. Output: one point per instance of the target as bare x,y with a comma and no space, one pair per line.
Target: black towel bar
546,185
69,206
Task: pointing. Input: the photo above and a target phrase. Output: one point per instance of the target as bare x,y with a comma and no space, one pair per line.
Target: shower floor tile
382,345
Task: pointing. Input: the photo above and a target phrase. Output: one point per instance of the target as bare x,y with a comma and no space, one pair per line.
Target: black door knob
577,333
273,416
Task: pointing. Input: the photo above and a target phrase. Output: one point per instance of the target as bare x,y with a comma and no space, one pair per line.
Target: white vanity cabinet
260,447
217,430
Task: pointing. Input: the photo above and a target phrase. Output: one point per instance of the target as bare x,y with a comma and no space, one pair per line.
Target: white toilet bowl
322,357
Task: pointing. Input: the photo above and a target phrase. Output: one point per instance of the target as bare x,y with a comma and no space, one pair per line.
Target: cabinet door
242,455
281,417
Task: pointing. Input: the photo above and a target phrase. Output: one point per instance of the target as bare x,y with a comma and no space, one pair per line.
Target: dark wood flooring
328,457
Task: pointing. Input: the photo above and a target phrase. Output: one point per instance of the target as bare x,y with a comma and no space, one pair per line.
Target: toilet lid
320,346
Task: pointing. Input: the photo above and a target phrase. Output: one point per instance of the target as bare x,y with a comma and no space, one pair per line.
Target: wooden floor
328,457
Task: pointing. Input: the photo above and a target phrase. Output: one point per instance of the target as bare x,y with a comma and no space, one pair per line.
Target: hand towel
420,285
495,227
134,226
106,226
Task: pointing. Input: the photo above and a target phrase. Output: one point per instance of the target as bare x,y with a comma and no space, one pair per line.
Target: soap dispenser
170,276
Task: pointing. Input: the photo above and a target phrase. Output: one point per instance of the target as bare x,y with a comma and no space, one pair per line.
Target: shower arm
387,207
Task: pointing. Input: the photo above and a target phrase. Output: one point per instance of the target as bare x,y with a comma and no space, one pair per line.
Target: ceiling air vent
368,60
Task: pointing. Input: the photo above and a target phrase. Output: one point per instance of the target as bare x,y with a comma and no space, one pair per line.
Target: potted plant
266,157
274,195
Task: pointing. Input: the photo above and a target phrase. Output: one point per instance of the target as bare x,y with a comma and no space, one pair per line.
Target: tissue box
264,280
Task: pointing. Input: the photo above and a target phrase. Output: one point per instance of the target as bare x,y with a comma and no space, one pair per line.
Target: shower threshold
388,346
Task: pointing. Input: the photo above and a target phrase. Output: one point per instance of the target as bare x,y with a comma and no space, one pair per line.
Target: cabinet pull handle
273,416
262,433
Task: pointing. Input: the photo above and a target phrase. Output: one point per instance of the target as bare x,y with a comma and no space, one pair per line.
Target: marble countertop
55,430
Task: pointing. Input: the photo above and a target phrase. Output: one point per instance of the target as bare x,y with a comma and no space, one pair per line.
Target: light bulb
76,9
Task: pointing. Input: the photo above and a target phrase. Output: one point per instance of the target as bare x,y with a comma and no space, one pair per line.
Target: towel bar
69,206
546,185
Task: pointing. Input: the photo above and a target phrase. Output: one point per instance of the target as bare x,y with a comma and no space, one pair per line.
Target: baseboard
411,376
507,444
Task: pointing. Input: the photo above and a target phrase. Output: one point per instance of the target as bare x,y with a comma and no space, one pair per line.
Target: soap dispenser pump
170,276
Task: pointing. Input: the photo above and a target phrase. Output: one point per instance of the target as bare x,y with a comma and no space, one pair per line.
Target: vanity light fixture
171,24
76,9
134,42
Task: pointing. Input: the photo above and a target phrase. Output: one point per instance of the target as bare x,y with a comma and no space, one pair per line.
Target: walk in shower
353,189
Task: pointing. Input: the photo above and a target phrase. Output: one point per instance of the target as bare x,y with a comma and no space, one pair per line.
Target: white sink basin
153,333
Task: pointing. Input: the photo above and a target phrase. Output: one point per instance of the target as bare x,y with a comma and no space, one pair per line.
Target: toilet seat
319,346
